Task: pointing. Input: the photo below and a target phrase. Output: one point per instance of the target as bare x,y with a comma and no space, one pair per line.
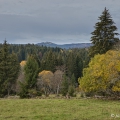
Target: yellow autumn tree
23,63
21,76
103,74
45,81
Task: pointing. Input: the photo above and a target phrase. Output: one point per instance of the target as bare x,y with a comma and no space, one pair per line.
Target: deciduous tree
57,81
103,74
44,82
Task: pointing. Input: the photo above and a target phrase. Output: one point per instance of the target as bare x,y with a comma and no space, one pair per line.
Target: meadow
59,109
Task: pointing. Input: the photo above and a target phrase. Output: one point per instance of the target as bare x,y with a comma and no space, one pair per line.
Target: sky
57,21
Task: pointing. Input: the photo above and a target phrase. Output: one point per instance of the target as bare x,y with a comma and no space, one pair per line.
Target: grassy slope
58,109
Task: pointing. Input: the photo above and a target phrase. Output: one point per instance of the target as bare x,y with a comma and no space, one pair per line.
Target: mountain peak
47,43
65,46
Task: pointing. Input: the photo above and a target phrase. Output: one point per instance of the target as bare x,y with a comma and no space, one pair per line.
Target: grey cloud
57,21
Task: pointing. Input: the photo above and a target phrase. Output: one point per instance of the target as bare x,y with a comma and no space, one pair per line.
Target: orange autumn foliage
23,63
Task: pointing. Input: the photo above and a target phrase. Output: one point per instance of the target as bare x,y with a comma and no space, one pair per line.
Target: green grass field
59,109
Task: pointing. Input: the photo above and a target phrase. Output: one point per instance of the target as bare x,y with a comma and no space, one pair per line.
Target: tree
9,69
12,73
70,63
23,63
73,81
57,81
31,70
48,63
65,85
103,75
21,76
78,67
44,82
104,36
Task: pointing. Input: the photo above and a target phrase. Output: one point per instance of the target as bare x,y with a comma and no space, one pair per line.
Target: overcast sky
58,21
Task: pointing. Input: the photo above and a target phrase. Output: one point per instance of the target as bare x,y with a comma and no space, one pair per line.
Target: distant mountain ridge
65,46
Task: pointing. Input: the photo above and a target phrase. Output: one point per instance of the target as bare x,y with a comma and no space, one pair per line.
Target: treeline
70,62
23,50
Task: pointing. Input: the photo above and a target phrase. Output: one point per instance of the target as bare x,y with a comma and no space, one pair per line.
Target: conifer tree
50,60
1,74
73,81
31,70
104,36
65,85
9,69
4,68
13,72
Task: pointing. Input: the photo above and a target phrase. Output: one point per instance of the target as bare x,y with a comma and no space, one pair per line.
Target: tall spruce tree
1,75
13,72
65,85
49,61
31,70
104,36
9,69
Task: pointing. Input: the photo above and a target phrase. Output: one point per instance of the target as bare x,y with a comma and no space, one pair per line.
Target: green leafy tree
31,70
104,36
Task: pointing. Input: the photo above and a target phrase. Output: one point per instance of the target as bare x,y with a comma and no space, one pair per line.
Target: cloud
59,21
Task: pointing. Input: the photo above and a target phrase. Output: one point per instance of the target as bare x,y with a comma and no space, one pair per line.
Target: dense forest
71,62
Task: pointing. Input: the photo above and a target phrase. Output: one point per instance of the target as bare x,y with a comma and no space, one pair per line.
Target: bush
39,93
71,91
89,94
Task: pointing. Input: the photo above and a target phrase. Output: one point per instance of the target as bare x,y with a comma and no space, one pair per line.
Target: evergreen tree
50,61
65,85
73,81
104,36
9,69
12,73
70,63
4,67
31,70
1,75
78,68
